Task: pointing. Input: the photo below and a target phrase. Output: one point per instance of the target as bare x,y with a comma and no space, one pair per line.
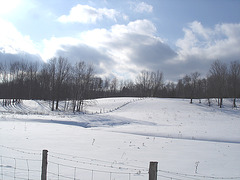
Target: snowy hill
118,137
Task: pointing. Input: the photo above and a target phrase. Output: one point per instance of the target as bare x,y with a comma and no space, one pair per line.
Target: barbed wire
102,111
101,165
92,171
21,169
6,175
197,176
15,169
23,159
141,170
178,177
93,159
95,170
74,156
168,177
59,175
20,150
123,169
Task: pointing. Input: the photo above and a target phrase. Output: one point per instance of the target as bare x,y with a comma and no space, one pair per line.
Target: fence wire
90,170
65,166
18,168
174,175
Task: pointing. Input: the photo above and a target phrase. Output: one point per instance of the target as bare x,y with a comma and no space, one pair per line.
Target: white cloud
122,50
8,6
87,14
54,44
16,46
144,26
12,41
142,7
125,50
200,46
101,37
210,44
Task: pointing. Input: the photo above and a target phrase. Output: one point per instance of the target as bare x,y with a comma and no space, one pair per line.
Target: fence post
44,165
153,170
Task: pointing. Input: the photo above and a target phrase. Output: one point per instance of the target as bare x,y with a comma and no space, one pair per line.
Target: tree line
222,81
59,80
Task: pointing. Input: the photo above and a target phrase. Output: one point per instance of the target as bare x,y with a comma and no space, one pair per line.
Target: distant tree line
221,82
59,80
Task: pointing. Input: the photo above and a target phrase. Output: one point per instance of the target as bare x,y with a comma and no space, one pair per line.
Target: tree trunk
74,105
191,101
209,102
52,105
234,102
57,104
78,106
65,105
81,105
221,102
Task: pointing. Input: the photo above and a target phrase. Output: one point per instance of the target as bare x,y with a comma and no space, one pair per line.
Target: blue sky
121,38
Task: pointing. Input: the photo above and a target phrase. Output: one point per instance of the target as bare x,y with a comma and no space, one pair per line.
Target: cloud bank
122,51
125,50
87,14
200,46
15,46
218,43
142,7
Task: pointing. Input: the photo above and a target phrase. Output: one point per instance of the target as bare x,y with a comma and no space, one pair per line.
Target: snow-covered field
117,138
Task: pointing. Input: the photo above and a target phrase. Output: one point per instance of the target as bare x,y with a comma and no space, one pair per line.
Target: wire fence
109,110
27,165
24,164
75,167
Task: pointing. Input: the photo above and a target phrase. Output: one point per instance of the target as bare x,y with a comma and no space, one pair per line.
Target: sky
122,38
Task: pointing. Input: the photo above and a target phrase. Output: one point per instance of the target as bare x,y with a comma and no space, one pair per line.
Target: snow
116,138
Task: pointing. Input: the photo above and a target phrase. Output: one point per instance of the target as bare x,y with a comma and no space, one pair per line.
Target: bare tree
44,81
193,84
51,70
143,82
180,88
234,80
187,86
1,72
202,89
82,75
106,84
218,75
171,89
149,83
32,78
128,88
156,82
113,85
62,73
5,73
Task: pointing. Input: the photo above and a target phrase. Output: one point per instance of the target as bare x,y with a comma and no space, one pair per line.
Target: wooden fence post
153,170
44,165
